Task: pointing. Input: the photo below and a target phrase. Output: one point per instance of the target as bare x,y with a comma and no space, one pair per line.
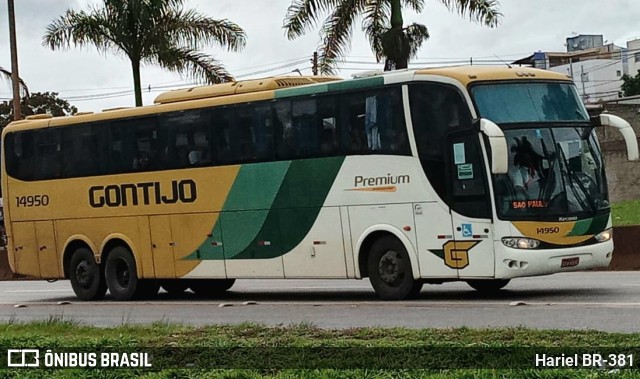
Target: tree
158,32
382,23
6,74
37,103
631,85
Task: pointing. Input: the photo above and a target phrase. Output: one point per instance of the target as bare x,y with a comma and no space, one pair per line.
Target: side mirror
498,143
627,132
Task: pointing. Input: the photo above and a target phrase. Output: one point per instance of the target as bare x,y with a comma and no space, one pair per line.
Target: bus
475,174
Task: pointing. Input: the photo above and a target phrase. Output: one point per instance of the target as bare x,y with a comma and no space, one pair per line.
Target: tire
210,287
121,275
87,277
488,286
175,287
390,270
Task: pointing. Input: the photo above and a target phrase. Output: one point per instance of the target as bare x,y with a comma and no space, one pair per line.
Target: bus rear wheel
488,286
390,270
87,278
210,287
122,278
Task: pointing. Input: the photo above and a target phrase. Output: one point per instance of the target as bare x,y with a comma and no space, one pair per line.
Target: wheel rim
390,268
122,274
84,276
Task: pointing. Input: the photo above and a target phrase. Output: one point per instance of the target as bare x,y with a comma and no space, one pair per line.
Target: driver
525,172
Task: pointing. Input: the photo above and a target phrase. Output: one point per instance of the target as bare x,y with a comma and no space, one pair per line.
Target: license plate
570,262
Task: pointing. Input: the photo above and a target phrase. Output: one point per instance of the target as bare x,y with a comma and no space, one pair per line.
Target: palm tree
158,32
6,74
382,23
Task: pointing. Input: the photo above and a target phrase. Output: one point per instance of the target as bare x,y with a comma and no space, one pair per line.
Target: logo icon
23,358
455,254
467,230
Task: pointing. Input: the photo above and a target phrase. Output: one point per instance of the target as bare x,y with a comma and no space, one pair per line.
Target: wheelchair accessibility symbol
467,230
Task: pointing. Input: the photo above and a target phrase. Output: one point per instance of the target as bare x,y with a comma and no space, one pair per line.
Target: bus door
471,251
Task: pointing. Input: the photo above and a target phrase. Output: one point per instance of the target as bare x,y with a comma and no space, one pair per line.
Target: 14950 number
32,201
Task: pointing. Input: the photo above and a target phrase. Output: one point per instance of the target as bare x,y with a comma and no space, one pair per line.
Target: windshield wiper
574,179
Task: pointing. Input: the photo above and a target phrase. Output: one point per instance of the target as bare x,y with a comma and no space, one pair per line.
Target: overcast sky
526,26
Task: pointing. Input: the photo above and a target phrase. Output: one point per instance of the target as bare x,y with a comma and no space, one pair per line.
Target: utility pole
15,77
314,63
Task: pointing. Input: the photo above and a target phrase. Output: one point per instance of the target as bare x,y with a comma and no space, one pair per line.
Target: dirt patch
626,252
5,270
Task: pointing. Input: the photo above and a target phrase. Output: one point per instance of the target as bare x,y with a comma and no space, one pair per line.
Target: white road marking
30,291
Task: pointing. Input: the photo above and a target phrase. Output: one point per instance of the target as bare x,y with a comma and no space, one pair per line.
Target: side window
84,150
436,110
136,145
223,130
302,138
48,154
328,126
189,140
20,155
374,122
353,113
283,130
253,134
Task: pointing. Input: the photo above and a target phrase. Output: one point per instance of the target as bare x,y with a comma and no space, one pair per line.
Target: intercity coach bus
476,174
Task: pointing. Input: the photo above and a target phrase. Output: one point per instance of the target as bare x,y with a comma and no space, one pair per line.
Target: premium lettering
361,181
151,193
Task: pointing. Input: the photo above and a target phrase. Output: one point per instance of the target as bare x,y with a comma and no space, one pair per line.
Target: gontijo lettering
122,195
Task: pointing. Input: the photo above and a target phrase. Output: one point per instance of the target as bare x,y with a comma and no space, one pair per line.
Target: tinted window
529,102
20,155
436,110
374,122
85,150
189,140
49,154
364,122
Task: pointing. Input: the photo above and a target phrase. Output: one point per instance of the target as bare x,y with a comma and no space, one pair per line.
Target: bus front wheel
488,286
87,278
211,287
122,278
390,270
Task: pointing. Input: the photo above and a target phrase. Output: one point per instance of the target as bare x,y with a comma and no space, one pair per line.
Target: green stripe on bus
590,227
342,85
580,228
295,209
256,186
599,224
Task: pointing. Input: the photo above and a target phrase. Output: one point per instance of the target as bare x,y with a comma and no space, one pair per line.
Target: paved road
608,301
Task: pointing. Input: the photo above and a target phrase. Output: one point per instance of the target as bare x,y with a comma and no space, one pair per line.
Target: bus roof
469,74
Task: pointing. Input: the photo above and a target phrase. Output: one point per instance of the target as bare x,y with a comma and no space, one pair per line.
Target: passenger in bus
525,173
142,162
195,157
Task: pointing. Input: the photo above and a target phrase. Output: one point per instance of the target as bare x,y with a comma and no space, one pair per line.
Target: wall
623,176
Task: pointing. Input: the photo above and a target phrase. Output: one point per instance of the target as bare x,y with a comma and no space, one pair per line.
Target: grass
381,348
626,213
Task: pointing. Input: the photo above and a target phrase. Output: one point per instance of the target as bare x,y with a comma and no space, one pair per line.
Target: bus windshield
553,172
529,102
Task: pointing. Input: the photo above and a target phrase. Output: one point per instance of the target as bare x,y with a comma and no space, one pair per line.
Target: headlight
604,236
521,243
